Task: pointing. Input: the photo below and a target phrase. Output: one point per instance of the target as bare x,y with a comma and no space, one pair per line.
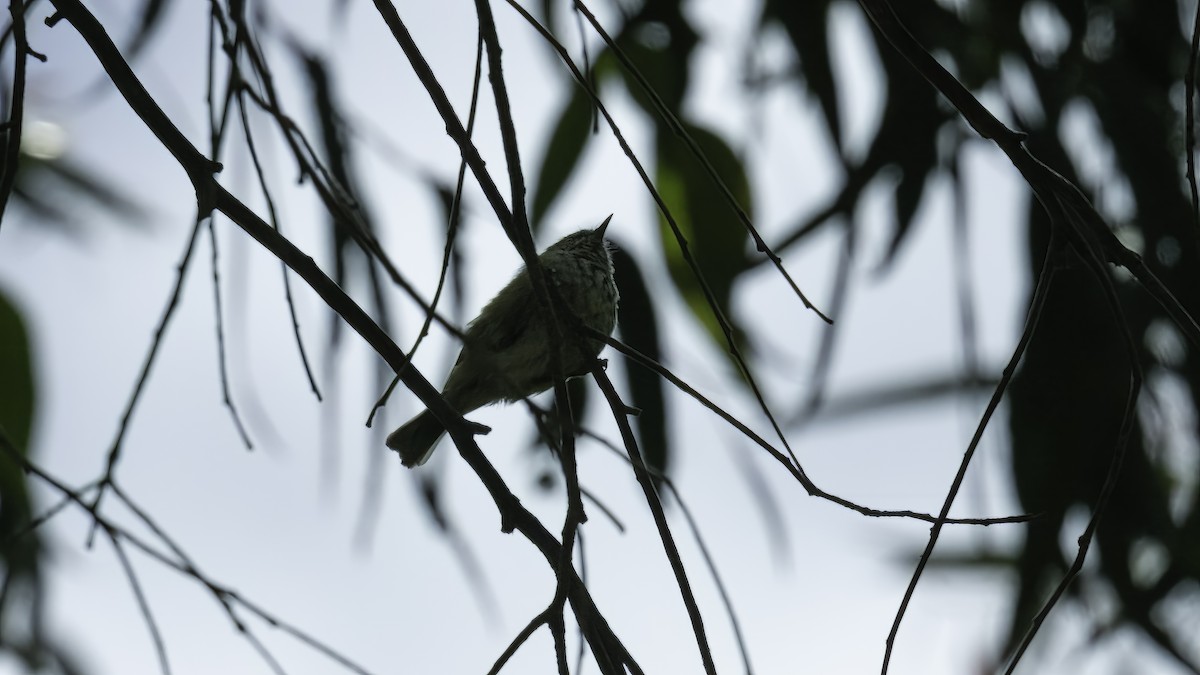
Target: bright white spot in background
1148,560
1020,91
43,140
1045,30
1095,163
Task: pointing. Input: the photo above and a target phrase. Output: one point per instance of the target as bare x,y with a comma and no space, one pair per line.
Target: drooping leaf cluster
1115,68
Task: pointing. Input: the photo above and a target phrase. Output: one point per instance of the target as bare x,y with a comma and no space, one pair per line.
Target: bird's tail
416,439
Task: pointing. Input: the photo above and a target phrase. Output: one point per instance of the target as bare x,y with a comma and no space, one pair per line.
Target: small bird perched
507,349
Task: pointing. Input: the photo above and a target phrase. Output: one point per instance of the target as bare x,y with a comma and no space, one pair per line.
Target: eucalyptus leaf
564,149
714,237
638,324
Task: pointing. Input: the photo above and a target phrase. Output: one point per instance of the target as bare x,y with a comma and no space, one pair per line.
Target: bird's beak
604,225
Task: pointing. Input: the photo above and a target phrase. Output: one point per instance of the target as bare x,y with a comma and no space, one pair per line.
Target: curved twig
1095,265
797,472
1036,306
620,413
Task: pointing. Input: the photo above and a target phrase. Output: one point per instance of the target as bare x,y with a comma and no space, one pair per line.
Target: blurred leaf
457,225
909,191
659,42
921,390
907,141
807,24
548,13
715,238
44,210
151,16
978,561
53,189
1066,407
336,152
563,150
17,393
979,36
339,158
911,117
83,183
16,376
638,325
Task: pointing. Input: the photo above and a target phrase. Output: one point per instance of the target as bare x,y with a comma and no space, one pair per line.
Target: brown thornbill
506,352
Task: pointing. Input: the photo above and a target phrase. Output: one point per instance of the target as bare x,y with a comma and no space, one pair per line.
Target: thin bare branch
705,552
796,471
143,604
452,223
620,413
521,638
1095,265
227,598
219,322
47,515
824,358
519,232
16,115
1040,292
114,451
273,217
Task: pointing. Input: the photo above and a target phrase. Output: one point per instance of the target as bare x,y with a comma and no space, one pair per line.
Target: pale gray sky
266,523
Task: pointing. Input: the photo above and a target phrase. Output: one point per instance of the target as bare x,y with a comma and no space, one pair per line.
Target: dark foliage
1124,62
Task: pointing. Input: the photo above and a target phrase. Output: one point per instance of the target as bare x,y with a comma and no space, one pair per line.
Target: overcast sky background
279,524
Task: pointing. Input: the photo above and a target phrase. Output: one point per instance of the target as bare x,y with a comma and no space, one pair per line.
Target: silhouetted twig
1095,265
621,414
114,451
177,561
1036,306
219,322
143,604
824,359
452,222
694,526
273,216
14,125
796,471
